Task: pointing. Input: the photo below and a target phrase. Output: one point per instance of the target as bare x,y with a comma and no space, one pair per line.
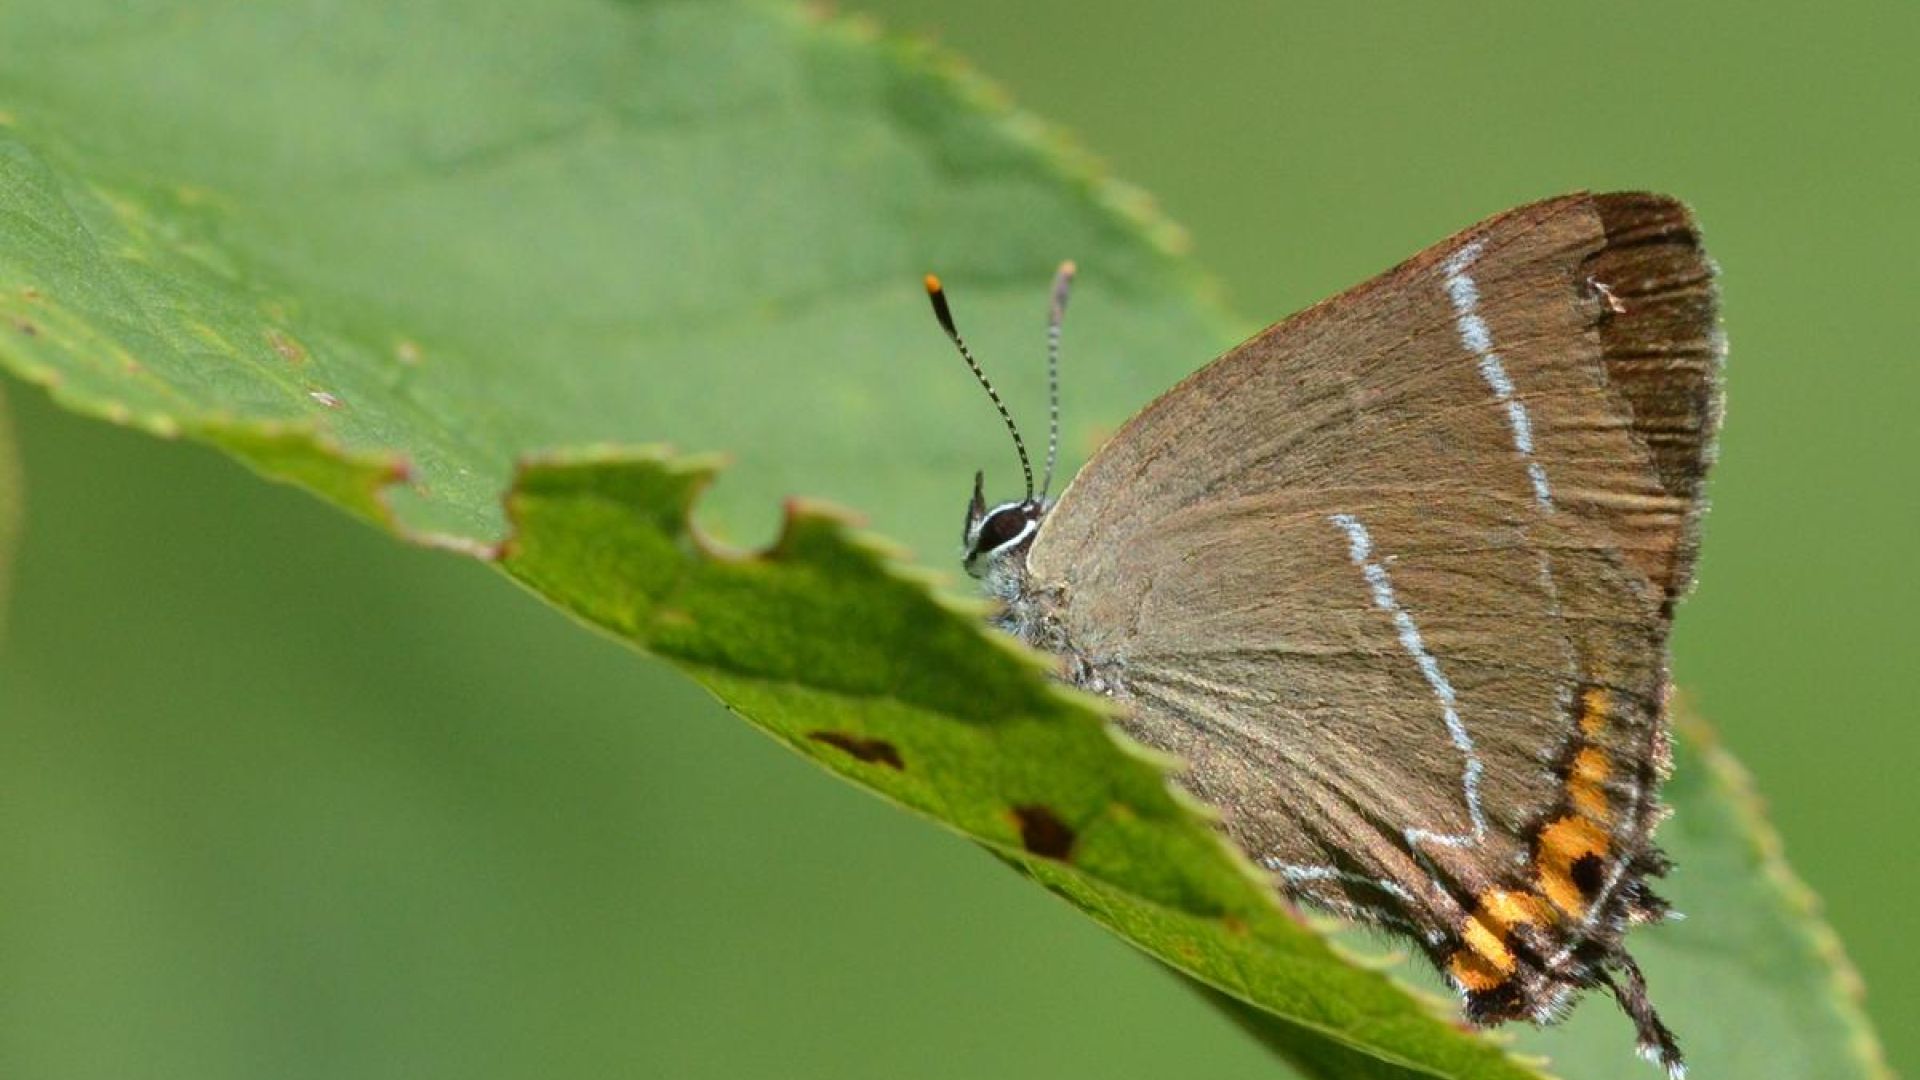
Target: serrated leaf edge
1733,784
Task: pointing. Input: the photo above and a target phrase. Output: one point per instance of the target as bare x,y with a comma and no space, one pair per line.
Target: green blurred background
283,798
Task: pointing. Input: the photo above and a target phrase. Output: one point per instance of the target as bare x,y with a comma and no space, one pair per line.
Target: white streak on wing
1522,426
1296,872
1360,550
1538,474
1351,908
1478,339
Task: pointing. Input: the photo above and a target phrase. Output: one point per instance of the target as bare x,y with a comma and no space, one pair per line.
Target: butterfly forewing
1394,578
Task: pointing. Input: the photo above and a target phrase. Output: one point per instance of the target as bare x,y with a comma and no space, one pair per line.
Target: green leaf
464,234
421,260
12,505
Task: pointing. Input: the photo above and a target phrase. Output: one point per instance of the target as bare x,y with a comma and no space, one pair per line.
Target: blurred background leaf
12,506
416,974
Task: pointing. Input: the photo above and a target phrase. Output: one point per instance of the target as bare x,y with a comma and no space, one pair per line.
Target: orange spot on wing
1484,961
1510,908
1484,943
1473,972
1566,841
1586,783
1595,703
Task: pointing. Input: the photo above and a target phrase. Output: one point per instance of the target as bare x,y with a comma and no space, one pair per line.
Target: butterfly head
997,537
995,534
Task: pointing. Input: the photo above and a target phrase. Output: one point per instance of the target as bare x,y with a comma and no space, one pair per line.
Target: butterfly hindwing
1395,577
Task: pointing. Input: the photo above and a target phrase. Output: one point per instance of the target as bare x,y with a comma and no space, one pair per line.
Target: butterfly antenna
1056,313
940,311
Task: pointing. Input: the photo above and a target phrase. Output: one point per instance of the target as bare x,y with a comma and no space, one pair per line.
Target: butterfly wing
1395,576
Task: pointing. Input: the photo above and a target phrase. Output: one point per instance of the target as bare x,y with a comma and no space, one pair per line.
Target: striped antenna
940,311
1056,313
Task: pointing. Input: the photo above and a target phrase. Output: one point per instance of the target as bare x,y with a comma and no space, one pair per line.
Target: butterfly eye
1001,527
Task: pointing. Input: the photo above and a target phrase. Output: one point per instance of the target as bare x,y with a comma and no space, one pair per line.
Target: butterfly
1394,580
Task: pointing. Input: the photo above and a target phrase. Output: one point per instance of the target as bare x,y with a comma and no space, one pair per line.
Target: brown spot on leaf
1043,833
26,328
288,348
871,751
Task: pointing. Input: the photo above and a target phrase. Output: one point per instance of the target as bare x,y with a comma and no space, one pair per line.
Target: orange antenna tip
933,283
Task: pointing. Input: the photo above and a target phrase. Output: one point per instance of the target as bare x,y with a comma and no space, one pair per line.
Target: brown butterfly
1395,577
